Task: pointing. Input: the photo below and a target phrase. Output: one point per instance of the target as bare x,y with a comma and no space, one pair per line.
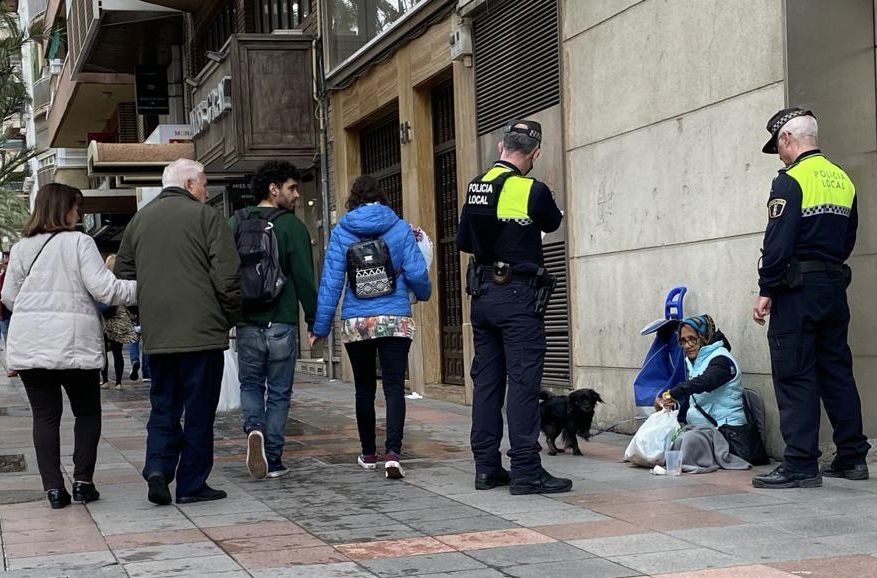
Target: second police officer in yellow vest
811,231
502,223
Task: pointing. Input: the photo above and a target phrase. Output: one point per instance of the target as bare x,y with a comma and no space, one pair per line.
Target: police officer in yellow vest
502,223
803,279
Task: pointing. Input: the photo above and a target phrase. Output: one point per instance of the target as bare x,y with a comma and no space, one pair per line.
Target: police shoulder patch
775,208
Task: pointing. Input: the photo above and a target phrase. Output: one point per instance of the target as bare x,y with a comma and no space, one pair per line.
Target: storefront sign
208,111
152,93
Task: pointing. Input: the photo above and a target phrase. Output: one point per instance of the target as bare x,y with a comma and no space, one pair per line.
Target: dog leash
613,426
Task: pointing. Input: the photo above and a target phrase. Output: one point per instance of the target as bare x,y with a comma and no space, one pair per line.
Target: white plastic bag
230,395
648,444
424,243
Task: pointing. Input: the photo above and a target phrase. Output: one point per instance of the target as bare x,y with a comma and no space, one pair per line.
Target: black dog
568,414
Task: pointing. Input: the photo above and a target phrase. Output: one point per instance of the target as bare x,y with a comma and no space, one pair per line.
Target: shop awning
141,165
135,164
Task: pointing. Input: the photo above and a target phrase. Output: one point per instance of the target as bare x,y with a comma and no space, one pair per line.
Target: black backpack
262,279
370,270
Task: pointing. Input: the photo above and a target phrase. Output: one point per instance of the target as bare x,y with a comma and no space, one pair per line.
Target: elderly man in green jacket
183,256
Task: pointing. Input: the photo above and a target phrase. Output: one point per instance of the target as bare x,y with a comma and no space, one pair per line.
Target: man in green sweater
267,335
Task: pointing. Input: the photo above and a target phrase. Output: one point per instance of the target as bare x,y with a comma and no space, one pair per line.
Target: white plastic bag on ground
653,437
230,395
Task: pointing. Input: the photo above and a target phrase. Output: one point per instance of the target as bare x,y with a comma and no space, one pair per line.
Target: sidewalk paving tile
167,552
279,558
253,530
590,567
494,539
423,564
270,543
393,548
65,562
676,561
143,539
631,544
334,570
182,567
757,571
858,566
603,528
528,554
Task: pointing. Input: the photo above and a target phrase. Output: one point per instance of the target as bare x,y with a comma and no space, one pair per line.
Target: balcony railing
42,95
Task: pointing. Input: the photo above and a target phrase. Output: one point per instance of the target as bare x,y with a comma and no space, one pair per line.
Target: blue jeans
183,383
134,355
266,355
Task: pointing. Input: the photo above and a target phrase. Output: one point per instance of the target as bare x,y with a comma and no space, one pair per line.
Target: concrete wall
666,102
834,75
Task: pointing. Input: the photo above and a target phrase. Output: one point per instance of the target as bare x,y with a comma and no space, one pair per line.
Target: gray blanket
705,450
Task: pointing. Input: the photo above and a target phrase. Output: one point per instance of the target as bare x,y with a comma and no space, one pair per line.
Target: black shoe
205,494
58,498
135,369
85,492
854,472
783,477
490,481
159,493
544,483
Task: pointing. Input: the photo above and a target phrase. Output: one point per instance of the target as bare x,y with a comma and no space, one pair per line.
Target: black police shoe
490,481
854,472
205,494
783,477
543,483
159,493
85,492
58,498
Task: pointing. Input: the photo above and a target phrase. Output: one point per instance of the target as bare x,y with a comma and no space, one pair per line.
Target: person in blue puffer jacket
380,326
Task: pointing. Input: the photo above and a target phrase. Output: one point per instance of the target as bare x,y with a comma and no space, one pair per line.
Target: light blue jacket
370,221
724,404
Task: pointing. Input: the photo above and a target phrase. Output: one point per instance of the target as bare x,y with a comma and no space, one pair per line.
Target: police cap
533,129
777,122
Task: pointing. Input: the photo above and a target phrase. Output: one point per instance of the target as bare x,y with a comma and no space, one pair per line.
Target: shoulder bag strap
40,252
709,418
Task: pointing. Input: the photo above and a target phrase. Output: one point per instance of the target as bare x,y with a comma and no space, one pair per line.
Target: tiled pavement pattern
329,518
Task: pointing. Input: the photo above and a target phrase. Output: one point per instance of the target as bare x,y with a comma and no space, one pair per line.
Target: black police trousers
509,350
811,359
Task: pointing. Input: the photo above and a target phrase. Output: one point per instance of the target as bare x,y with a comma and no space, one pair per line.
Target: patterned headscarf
703,325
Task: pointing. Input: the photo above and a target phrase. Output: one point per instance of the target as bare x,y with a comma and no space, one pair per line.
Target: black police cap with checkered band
533,129
777,122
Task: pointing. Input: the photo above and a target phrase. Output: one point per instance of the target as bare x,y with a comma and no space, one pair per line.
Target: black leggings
43,387
394,358
118,360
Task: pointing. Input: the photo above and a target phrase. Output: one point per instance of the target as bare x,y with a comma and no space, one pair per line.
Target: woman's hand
667,403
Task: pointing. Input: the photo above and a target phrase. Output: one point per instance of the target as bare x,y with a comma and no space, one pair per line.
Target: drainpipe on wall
322,102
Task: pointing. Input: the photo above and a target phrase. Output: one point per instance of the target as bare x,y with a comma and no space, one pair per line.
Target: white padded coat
55,321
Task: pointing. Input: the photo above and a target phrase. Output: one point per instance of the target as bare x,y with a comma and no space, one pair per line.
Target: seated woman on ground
711,397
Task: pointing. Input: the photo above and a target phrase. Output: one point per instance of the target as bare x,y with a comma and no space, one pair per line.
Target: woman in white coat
55,279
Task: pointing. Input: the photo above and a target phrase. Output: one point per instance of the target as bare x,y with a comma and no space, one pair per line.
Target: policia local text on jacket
811,232
501,224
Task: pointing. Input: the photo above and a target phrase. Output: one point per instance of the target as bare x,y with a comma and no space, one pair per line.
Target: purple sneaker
368,462
393,466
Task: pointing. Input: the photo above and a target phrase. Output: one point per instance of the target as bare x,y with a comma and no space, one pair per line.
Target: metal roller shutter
557,356
517,60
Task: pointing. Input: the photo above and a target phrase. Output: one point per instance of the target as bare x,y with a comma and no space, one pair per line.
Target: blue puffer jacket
368,221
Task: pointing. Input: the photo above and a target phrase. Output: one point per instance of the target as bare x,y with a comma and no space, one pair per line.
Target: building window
274,15
352,24
221,28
